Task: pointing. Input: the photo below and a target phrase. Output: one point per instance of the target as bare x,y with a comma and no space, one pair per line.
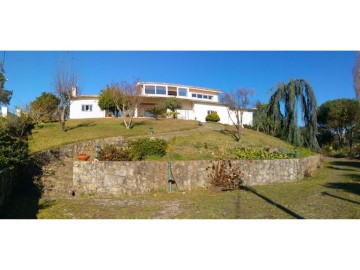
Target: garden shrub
354,152
259,153
112,153
224,176
142,147
212,117
13,150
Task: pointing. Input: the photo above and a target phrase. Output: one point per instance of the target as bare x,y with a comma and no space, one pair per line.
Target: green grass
332,193
49,135
203,144
207,143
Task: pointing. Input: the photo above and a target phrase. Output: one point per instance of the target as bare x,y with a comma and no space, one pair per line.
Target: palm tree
291,94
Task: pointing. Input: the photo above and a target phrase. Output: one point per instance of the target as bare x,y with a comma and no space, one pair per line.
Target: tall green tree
295,93
263,123
356,76
44,107
5,95
173,104
106,101
340,117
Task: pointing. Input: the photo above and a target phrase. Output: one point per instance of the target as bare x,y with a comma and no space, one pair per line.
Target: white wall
4,111
77,113
201,111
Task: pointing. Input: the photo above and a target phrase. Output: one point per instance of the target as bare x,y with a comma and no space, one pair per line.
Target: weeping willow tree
292,94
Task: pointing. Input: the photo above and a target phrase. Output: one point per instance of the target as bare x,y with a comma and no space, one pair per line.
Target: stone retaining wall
7,179
53,170
106,177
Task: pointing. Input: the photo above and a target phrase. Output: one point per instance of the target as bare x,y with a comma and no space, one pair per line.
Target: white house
197,103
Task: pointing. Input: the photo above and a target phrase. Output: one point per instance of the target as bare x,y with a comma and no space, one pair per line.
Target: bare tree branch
126,99
65,81
237,101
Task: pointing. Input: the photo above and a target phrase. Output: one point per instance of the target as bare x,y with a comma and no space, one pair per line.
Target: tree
106,101
44,107
156,111
341,117
356,76
66,81
263,123
126,100
5,95
237,102
173,104
291,94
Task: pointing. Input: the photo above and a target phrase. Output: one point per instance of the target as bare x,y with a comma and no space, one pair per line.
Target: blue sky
329,72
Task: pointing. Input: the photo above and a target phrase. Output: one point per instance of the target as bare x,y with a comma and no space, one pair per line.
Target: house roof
183,85
85,97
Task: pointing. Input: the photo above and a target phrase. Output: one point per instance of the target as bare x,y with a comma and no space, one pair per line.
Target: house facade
197,103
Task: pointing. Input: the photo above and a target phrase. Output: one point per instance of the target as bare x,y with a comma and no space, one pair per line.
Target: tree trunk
62,119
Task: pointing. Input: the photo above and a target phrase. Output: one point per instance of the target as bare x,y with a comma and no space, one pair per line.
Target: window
182,92
160,90
86,108
150,89
195,95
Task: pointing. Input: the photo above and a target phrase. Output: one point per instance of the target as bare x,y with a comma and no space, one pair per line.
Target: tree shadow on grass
230,133
338,197
135,124
340,169
287,211
348,187
353,164
86,124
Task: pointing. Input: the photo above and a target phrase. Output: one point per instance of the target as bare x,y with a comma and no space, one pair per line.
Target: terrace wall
116,178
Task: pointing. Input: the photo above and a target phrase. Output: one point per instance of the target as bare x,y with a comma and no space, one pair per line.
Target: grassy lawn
49,135
202,145
195,143
332,193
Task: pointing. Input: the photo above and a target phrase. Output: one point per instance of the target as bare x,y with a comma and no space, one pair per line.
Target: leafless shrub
224,176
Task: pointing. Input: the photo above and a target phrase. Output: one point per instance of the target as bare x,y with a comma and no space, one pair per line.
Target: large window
182,92
155,89
160,90
150,89
86,108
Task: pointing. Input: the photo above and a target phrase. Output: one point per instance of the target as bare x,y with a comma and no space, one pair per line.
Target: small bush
256,153
212,117
142,147
112,153
224,176
354,152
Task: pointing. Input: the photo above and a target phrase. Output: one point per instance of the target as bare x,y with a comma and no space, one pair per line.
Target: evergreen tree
296,91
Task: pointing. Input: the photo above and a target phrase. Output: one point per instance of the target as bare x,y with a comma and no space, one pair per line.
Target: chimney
74,92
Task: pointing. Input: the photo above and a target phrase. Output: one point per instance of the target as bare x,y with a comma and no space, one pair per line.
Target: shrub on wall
142,147
112,153
137,149
255,153
212,117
